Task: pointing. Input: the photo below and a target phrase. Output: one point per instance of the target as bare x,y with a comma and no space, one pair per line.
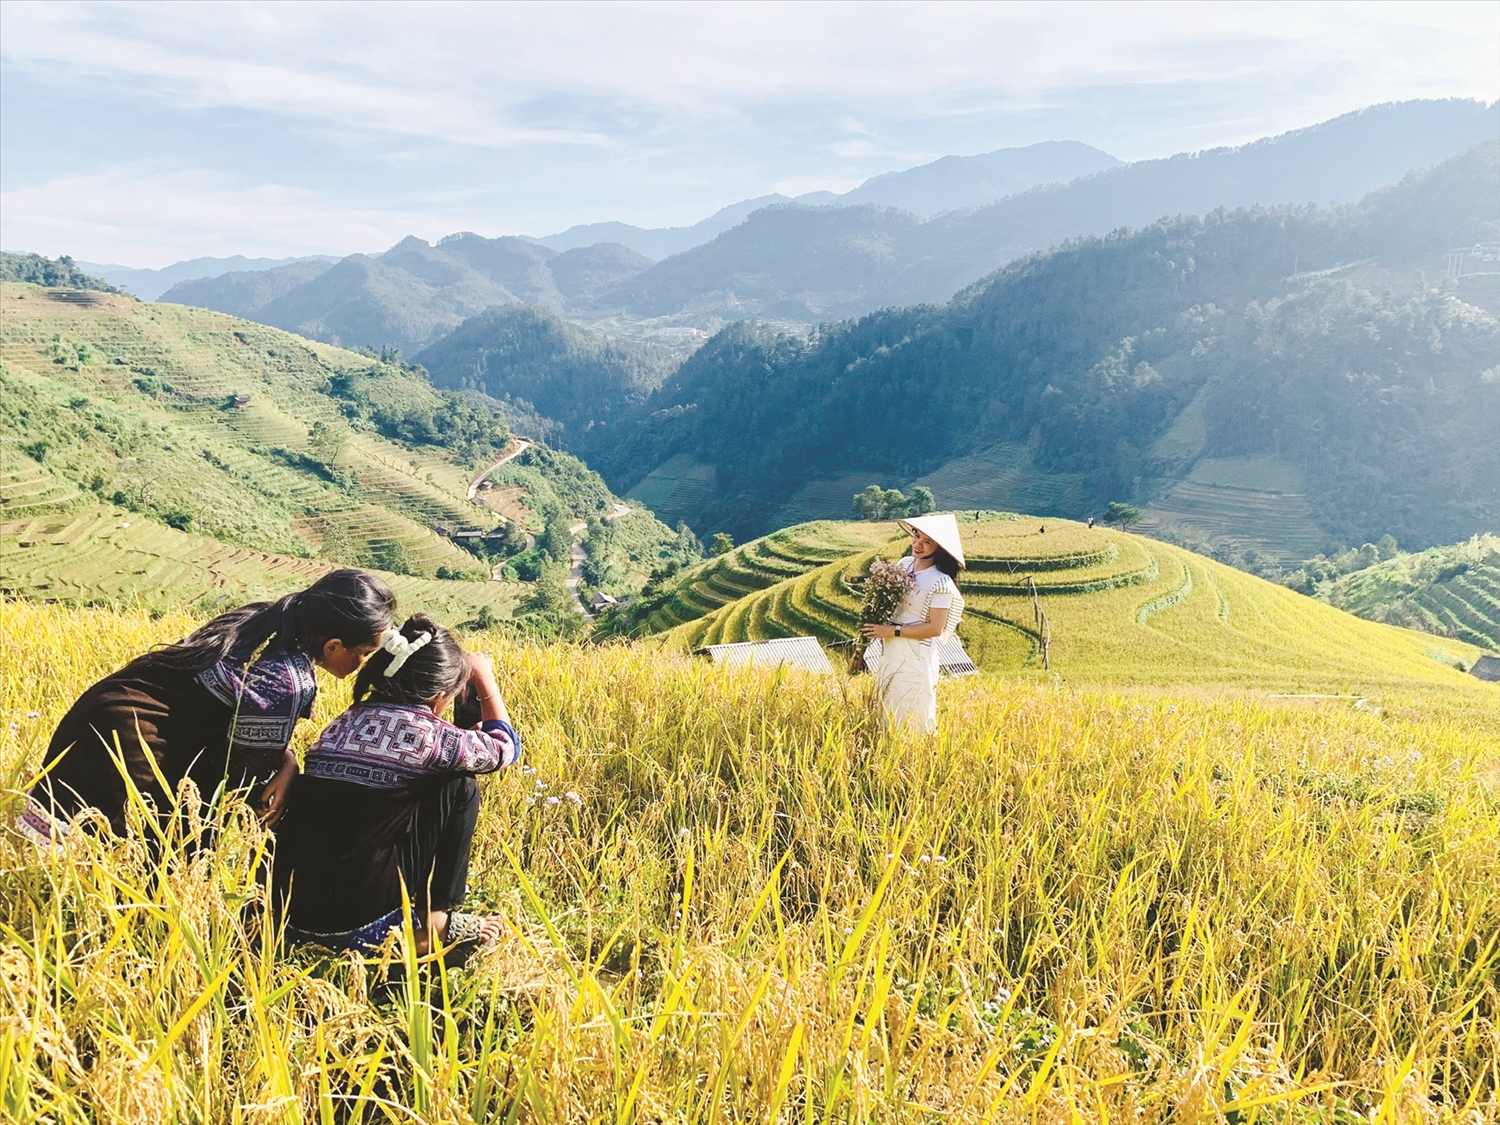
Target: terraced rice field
1121,608
109,556
677,489
1466,606
828,499
154,381
1451,591
1004,478
1252,502
380,529
26,488
762,563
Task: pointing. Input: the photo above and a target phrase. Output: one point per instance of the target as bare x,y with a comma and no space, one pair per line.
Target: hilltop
414,292
570,376
1119,608
240,458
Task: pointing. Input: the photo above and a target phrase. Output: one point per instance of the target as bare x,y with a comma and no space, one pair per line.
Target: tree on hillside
876,503
62,273
1122,515
556,540
327,442
723,543
867,504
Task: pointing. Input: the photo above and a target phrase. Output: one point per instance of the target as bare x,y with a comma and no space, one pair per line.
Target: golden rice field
729,898
1121,608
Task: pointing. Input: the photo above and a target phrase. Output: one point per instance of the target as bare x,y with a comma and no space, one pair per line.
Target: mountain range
1184,366
803,264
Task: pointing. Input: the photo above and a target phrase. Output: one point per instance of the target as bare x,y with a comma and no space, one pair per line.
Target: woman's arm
486,690
273,796
937,621
495,744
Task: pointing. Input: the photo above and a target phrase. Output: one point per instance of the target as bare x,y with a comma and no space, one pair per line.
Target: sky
146,133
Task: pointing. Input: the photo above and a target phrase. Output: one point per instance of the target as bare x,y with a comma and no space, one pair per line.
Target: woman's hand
870,632
486,690
274,796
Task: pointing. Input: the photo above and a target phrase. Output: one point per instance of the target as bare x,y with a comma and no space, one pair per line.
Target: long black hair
945,562
437,668
346,605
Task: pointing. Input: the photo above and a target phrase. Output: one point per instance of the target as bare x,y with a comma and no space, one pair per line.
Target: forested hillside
569,375
161,455
1119,363
50,273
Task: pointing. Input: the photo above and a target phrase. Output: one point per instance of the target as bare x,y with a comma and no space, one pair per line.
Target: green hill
576,377
1119,608
62,273
702,589
414,292
254,441
1449,591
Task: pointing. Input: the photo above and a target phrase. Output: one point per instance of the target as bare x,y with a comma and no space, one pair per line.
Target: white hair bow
401,649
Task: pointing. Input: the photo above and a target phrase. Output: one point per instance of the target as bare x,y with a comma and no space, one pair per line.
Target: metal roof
1487,667
798,652
952,658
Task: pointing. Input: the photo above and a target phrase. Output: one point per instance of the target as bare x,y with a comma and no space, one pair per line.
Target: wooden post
1039,618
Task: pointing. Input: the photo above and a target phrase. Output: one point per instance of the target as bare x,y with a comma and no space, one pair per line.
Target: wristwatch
898,630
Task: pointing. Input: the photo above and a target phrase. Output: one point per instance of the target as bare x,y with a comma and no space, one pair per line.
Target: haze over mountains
949,184
802,264
1289,346
149,285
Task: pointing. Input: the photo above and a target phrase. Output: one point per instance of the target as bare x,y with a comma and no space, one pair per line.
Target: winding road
579,556
522,445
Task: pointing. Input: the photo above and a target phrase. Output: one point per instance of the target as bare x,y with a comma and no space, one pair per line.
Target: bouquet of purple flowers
885,590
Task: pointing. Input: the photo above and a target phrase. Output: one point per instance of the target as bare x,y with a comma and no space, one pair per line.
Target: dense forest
54,273
1379,385
569,375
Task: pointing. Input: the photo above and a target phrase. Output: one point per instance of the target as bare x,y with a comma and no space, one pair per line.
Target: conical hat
942,530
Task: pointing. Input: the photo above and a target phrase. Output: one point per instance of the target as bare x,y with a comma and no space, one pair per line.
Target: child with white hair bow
388,798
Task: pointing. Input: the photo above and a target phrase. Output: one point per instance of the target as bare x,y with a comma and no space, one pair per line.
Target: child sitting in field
388,797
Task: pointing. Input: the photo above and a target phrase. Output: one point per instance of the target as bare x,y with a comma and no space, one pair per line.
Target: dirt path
521,446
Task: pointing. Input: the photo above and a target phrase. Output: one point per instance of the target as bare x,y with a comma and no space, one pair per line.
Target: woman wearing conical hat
906,678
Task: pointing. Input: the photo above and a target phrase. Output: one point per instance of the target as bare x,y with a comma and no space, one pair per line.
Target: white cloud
536,116
143,217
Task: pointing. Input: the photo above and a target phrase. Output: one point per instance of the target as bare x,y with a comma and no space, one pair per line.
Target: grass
127,399
1121,608
1082,903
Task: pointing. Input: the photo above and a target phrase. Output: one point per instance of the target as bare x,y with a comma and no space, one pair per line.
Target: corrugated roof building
796,652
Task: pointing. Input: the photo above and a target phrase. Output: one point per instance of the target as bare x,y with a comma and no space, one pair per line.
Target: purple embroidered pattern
268,699
385,746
